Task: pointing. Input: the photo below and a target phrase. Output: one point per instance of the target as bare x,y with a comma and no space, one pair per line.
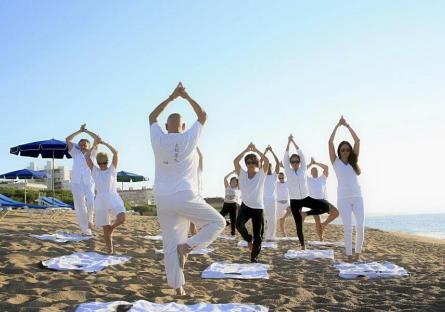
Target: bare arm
264,160
277,161
161,107
356,139
201,159
236,161
115,154
69,139
200,113
322,166
95,137
332,154
226,182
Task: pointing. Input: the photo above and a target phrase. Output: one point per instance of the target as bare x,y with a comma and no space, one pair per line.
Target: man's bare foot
91,226
180,291
350,259
303,247
250,246
183,251
357,257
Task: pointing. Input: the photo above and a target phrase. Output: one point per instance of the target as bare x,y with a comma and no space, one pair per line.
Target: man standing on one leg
176,189
82,184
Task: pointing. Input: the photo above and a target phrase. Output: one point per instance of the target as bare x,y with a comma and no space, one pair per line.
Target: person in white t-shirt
176,189
283,204
317,190
349,194
270,198
82,184
296,172
193,230
231,199
251,183
107,203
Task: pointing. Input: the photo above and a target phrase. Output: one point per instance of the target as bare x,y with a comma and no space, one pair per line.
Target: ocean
431,225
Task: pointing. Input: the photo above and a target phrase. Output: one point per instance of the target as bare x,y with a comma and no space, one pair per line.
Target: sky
261,70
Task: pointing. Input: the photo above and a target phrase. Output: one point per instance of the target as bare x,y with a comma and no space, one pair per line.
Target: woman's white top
105,180
348,184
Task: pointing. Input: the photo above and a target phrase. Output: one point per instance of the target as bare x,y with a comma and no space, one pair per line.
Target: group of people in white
263,193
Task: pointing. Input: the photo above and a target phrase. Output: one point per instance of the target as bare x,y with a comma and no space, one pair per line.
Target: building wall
140,197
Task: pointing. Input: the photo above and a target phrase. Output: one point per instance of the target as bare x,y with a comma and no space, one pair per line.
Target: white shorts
282,209
106,206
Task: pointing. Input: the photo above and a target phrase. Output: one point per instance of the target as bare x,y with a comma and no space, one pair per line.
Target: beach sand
293,285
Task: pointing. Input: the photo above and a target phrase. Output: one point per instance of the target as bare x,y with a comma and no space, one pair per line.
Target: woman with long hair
349,195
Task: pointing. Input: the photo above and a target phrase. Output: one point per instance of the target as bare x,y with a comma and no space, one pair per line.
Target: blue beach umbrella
52,148
23,174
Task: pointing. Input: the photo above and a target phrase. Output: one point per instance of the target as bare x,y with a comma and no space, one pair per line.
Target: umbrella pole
54,197
122,185
25,191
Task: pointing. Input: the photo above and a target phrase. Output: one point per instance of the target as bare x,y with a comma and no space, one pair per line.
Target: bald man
176,189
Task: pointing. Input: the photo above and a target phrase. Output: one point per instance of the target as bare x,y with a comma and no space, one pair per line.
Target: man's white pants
347,207
270,216
175,213
83,197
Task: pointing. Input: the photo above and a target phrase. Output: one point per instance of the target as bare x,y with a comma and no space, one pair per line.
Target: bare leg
193,230
318,227
357,257
183,251
283,227
333,214
107,237
180,291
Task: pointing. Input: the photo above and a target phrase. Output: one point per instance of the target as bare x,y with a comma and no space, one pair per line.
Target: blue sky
260,69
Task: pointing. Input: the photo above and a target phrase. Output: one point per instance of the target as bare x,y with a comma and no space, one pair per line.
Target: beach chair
57,207
8,204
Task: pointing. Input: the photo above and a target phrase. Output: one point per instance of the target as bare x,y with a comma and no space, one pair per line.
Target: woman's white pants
348,207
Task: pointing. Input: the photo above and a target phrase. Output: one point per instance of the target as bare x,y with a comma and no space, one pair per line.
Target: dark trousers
316,206
245,214
230,208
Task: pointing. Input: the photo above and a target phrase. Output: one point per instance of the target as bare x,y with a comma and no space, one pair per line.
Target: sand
293,285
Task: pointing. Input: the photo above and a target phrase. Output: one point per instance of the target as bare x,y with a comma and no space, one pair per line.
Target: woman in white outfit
269,198
231,199
107,203
349,193
283,203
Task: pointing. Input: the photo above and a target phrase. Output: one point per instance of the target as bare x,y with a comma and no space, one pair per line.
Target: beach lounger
57,207
8,204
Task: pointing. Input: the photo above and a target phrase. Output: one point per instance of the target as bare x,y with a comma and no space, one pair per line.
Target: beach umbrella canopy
52,148
46,149
125,176
23,174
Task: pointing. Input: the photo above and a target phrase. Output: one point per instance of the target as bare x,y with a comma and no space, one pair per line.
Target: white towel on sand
286,238
310,254
154,237
263,244
327,244
222,236
83,261
62,237
236,270
146,306
199,251
371,270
